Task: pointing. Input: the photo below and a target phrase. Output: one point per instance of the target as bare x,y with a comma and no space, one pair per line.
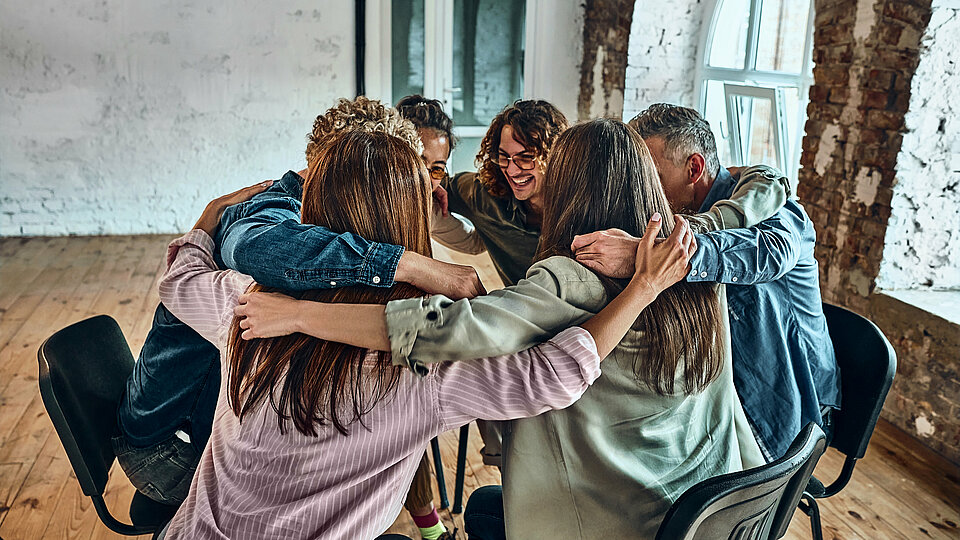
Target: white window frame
739,147
748,75
438,54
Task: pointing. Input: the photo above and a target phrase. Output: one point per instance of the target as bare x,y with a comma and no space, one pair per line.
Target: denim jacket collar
721,189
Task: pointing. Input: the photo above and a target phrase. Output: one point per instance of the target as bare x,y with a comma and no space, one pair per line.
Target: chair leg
438,468
461,469
813,510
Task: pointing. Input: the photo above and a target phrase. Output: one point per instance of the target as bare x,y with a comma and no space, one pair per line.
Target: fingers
440,195
653,228
680,228
249,191
584,240
687,235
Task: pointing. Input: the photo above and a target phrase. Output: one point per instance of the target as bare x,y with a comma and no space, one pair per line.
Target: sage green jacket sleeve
457,233
758,195
437,329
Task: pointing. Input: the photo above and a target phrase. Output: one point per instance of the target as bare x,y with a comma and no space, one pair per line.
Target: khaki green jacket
610,465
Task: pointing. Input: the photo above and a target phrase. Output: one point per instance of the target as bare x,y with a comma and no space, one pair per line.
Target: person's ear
696,166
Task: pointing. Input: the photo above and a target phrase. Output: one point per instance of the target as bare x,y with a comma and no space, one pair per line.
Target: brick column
606,37
866,53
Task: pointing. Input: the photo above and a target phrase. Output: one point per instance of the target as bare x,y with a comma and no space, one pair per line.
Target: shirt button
734,279
333,283
703,274
376,279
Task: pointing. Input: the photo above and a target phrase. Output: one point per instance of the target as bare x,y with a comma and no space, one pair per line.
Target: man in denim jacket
166,412
784,365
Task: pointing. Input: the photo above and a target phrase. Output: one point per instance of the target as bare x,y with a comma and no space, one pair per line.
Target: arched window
754,71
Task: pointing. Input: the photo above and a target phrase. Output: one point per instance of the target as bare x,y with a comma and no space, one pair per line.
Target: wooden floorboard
900,489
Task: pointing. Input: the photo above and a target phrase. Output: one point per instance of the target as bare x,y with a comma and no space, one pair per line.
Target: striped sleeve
195,291
552,375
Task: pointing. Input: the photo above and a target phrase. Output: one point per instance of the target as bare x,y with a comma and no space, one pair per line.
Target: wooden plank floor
900,490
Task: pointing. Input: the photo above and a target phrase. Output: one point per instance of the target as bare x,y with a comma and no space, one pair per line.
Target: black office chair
867,365
748,505
83,372
460,472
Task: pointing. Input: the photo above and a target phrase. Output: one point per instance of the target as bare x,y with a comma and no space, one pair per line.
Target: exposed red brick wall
606,37
866,53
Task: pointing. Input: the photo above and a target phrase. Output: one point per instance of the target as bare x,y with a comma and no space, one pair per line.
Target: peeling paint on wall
663,54
828,144
924,427
922,248
598,104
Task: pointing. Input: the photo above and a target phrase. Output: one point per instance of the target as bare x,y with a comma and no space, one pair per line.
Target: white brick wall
127,117
922,246
663,51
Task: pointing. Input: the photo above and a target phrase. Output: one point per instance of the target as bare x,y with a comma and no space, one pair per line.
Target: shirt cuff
196,237
380,265
405,319
575,341
705,263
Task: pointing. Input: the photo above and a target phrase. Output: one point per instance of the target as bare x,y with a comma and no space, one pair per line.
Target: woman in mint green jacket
663,415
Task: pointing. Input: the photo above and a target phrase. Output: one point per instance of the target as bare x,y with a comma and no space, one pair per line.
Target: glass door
469,54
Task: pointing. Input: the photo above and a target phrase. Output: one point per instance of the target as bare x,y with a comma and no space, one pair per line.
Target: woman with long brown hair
316,439
665,414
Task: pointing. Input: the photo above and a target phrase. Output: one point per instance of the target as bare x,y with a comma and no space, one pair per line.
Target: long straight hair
600,175
371,184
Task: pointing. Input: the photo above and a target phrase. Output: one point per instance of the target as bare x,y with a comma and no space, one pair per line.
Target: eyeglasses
438,172
524,161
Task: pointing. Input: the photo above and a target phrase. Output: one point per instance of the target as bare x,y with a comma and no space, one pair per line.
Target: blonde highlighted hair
363,114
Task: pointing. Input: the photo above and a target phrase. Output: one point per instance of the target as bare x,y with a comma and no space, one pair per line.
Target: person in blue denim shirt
166,412
784,365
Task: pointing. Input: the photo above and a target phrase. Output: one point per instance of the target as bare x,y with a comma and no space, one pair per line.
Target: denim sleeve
264,238
760,254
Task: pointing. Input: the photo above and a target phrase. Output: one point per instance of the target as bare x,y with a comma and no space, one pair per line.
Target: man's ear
696,166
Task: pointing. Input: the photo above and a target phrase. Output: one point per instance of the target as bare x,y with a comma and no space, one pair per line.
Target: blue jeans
483,517
162,472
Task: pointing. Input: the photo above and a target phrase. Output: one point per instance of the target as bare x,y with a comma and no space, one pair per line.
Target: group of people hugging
661,324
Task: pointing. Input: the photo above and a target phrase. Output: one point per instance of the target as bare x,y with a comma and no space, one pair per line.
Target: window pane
728,46
783,28
757,123
407,40
716,114
464,154
488,52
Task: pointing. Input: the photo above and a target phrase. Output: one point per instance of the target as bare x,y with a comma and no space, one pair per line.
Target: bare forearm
360,325
610,325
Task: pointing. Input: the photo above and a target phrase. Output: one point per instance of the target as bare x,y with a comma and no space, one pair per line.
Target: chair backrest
83,372
748,504
867,364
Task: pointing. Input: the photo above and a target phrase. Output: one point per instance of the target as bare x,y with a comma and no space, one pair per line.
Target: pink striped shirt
254,482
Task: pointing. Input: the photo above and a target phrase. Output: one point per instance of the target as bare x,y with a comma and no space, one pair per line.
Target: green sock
432,533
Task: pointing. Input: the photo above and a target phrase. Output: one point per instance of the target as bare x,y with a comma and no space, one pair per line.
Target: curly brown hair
536,125
427,114
365,114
